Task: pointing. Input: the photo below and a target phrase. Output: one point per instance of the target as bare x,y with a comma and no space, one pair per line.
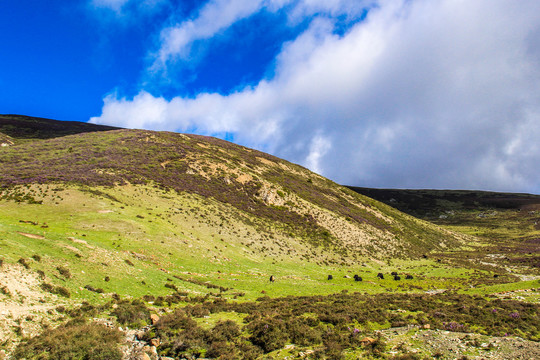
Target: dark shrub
133,315
197,311
221,350
58,290
301,334
268,334
226,330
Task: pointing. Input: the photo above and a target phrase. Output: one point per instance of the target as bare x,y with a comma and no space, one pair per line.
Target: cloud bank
418,94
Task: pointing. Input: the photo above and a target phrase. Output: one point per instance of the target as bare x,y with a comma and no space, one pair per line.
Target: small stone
155,342
154,318
144,356
367,341
426,326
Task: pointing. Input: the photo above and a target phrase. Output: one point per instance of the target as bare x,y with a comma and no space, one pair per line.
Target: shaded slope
27,127
432,203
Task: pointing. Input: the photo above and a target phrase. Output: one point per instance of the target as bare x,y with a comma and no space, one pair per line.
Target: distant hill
27,127
433,203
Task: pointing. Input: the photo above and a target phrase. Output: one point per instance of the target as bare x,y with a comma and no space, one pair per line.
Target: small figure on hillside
408,277
396,277
272,278
330,277
380,276
357,278
393,273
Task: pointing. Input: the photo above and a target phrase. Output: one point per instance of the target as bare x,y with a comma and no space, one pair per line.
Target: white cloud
214,16
423,93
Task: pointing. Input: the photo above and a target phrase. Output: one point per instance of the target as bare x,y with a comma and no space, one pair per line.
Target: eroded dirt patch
24,306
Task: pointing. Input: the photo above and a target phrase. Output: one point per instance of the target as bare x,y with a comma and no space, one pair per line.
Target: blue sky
381,93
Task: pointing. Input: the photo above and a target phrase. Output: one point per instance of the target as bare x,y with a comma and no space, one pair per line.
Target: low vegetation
334,327
76,339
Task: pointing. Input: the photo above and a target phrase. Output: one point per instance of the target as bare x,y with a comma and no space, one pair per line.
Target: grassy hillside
284,197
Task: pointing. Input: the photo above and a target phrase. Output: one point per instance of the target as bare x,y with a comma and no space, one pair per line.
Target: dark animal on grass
396,277
380,275
393,273
409,277
272,279
357,278
495,276
330,277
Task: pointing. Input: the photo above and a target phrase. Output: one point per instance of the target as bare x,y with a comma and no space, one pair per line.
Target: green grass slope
282,196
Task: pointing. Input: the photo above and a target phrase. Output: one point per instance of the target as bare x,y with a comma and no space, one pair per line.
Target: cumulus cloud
433,94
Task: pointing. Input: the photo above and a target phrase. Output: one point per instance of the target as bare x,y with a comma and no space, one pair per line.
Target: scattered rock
155,342
154,318
367,341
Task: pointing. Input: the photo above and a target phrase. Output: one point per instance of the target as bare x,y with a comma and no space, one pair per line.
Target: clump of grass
93,289
4,290
64,272
24,262
129,262
58,290
41,274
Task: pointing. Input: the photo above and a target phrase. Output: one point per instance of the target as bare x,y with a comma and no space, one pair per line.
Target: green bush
133,314
73,341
